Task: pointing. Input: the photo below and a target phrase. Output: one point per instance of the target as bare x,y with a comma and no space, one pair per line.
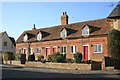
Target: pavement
52,70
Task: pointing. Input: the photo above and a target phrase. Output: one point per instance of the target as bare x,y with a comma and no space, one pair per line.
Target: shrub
31,57
49,58
43,61
8,56
57,57
17,56
23,58
68,60
78,57
40,58
89,61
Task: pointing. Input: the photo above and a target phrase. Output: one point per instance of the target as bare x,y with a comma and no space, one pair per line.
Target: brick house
88,38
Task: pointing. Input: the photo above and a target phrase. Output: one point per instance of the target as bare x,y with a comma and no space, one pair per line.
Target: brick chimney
64,18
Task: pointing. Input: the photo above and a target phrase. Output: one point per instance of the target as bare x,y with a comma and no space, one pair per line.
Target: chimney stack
64,18
33,27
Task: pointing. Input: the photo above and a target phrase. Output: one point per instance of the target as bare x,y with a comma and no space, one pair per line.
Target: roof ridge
65,25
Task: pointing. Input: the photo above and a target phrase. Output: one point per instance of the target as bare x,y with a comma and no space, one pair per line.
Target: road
20,72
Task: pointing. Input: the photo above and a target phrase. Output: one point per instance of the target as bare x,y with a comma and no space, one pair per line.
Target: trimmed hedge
57,57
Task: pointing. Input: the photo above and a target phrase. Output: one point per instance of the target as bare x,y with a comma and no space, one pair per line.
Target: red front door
85,53
54,50
47,51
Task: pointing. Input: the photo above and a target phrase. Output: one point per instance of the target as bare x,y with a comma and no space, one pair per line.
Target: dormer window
25,38
63,33
39,36
85,31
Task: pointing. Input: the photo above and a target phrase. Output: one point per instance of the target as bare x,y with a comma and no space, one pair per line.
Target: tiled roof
115,13
13,40
98,27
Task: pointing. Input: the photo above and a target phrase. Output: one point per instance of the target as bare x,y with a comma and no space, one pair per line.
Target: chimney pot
64,18
65,13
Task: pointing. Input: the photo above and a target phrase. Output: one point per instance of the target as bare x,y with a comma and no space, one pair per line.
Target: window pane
100,48
64,49
72,49
85,31
95,48
61,49
5,43
63,34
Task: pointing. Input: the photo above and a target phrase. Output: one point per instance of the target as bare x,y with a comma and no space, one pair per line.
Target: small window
39,36
63,50
25,38
31,50
38,50
5,43
19,50
63,33
73,49
85,31
98,48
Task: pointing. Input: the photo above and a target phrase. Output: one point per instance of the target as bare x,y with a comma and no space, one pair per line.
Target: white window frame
63,50
97,48
63,33
40,49
73,49
25,38
85,29
39,36
31,50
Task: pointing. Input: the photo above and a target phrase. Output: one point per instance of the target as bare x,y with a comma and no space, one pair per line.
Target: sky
20,16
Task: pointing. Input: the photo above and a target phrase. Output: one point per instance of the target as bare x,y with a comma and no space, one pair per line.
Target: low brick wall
72,66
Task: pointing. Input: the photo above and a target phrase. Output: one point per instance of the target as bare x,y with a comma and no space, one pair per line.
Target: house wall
10,46
116,24
68,43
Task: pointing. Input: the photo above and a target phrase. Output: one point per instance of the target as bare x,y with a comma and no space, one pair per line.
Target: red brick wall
68,43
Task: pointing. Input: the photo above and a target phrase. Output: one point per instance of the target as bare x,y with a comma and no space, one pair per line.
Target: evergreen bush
31,57
40,58
114,44
23,58
57,57
78,57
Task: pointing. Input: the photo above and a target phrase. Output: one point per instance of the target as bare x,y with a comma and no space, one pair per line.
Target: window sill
97,52
72,53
